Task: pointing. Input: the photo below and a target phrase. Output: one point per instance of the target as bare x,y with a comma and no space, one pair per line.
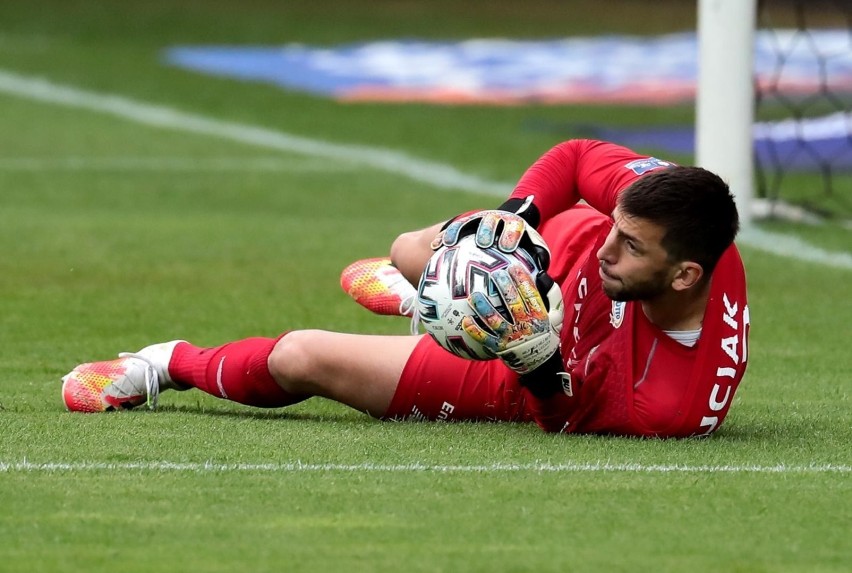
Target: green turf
103,251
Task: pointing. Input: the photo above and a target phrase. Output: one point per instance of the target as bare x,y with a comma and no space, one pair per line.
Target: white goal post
724,100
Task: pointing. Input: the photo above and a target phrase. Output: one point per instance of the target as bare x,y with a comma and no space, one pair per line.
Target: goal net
773,109
803,93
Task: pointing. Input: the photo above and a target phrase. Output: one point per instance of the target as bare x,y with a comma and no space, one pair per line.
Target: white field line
437,175
302,467
792,247
172,164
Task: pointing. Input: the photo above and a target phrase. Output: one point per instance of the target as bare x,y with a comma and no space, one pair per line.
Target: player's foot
378,286
132,379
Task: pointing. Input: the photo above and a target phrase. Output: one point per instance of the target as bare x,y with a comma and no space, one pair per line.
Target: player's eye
631,247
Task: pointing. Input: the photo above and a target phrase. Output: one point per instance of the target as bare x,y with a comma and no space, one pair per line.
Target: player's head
671,229
694,207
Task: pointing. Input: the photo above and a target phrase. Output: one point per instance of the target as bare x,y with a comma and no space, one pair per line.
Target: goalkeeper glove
503,226
531,337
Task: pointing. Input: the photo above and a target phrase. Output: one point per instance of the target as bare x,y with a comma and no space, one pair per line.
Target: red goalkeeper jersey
626,375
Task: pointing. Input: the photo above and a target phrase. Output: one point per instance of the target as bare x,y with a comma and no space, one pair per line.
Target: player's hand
505,229
491,227
532,336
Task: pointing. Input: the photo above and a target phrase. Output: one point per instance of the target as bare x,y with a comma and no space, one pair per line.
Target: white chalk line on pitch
432,173
300,467
171,164
435,174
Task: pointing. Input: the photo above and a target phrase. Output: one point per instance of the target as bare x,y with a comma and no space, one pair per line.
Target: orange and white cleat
379,287
131,380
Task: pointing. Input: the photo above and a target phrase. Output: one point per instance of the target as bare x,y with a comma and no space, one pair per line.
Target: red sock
236,371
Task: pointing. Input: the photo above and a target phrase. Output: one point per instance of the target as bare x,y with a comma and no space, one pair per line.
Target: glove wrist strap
546,380
523,208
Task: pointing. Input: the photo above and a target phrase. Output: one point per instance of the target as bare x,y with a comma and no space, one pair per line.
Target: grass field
117,233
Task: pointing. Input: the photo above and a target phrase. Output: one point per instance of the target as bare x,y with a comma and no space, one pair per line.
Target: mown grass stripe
297,466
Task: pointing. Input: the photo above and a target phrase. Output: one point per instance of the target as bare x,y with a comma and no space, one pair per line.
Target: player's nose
608,252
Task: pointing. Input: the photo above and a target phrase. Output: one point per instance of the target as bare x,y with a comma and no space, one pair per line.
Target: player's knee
403,245
292,362
410,251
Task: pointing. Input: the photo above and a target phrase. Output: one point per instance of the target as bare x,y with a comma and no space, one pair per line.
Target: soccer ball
452,273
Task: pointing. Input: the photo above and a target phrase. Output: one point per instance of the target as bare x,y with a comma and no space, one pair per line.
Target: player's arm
575,170
578,169
594,171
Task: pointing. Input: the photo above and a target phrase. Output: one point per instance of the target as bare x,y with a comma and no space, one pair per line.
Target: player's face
633,263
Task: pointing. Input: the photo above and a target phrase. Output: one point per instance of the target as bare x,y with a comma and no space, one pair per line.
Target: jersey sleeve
597,403
582,169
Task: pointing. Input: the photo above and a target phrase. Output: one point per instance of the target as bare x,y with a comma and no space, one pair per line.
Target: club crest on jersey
616,316
642,166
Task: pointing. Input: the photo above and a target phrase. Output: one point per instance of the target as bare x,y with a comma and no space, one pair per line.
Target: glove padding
506,230
487,224
532,337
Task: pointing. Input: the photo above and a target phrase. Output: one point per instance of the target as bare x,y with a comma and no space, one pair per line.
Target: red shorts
437,385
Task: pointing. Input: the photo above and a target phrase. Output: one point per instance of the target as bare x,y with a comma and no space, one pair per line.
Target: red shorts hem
436,385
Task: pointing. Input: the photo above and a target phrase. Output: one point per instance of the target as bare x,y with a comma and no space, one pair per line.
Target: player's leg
385,376
377,285
387,285
236,371
411,251
437,385
358,370
361,371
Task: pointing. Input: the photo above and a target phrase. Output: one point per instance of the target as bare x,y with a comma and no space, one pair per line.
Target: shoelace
409,304
152,379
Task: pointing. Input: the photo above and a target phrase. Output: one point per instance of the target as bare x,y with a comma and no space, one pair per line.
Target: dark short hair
693,205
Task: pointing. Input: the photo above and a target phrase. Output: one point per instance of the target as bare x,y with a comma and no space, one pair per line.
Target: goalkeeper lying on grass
651,340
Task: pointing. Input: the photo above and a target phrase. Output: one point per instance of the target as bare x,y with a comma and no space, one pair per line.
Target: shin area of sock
236,371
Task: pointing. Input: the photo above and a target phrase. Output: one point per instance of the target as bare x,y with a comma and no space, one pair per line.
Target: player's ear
687,275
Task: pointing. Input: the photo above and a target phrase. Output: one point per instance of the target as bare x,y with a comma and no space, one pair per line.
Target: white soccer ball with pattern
451,274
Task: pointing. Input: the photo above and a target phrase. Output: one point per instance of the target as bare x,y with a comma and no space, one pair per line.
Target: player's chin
613,291
614,294
618,291
612,287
